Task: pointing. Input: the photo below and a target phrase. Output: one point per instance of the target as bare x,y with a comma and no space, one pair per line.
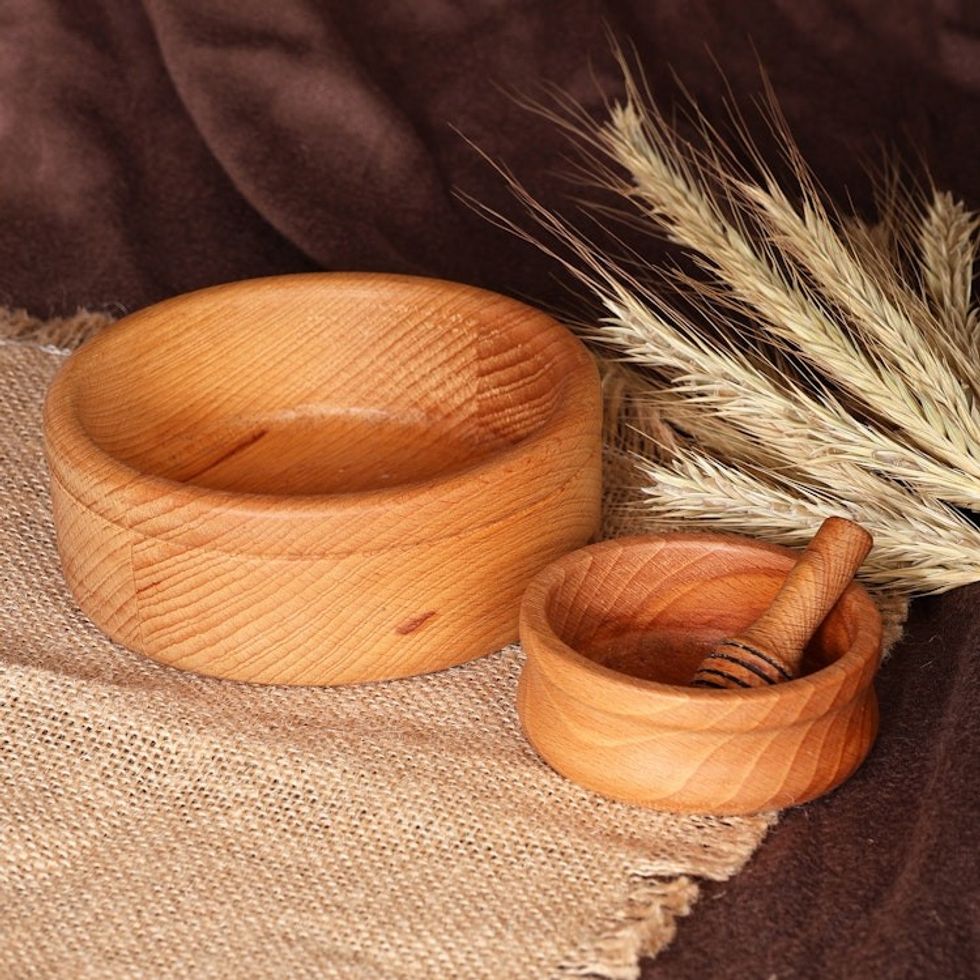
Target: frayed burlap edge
646,925
62,333
646,921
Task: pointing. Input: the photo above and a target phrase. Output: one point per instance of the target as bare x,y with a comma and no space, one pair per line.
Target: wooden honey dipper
770,650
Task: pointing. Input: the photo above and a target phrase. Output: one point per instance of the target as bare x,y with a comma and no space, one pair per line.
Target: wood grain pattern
323,478
613,635
770,650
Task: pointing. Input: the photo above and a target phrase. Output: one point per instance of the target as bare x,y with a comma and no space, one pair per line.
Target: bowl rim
811,695
73,454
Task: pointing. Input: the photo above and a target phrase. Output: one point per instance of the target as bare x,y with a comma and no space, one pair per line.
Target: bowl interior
320,384
654,611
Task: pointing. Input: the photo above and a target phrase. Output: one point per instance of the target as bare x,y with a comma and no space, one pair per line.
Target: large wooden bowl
614,633
324,478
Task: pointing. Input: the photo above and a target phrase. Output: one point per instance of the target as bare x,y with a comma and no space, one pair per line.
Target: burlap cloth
158,824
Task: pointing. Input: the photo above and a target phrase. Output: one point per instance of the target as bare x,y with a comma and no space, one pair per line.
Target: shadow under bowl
613,635
324,478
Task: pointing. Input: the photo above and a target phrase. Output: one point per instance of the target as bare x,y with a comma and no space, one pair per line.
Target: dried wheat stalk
813,373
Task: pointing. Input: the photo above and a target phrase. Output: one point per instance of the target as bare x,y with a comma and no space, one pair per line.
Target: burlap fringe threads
646,924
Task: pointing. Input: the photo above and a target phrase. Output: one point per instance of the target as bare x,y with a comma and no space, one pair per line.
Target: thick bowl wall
321,478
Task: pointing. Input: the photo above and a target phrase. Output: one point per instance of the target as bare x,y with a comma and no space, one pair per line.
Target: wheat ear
948,243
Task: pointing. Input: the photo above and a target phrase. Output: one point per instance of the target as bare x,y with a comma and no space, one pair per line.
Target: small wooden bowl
614,632
324,478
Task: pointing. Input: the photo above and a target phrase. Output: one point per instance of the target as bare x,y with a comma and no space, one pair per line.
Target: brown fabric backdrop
151,148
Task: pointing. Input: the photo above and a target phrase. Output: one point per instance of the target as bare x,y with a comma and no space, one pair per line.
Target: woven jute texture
159,824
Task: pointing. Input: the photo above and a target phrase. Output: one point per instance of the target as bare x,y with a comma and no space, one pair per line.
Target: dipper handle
770,650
